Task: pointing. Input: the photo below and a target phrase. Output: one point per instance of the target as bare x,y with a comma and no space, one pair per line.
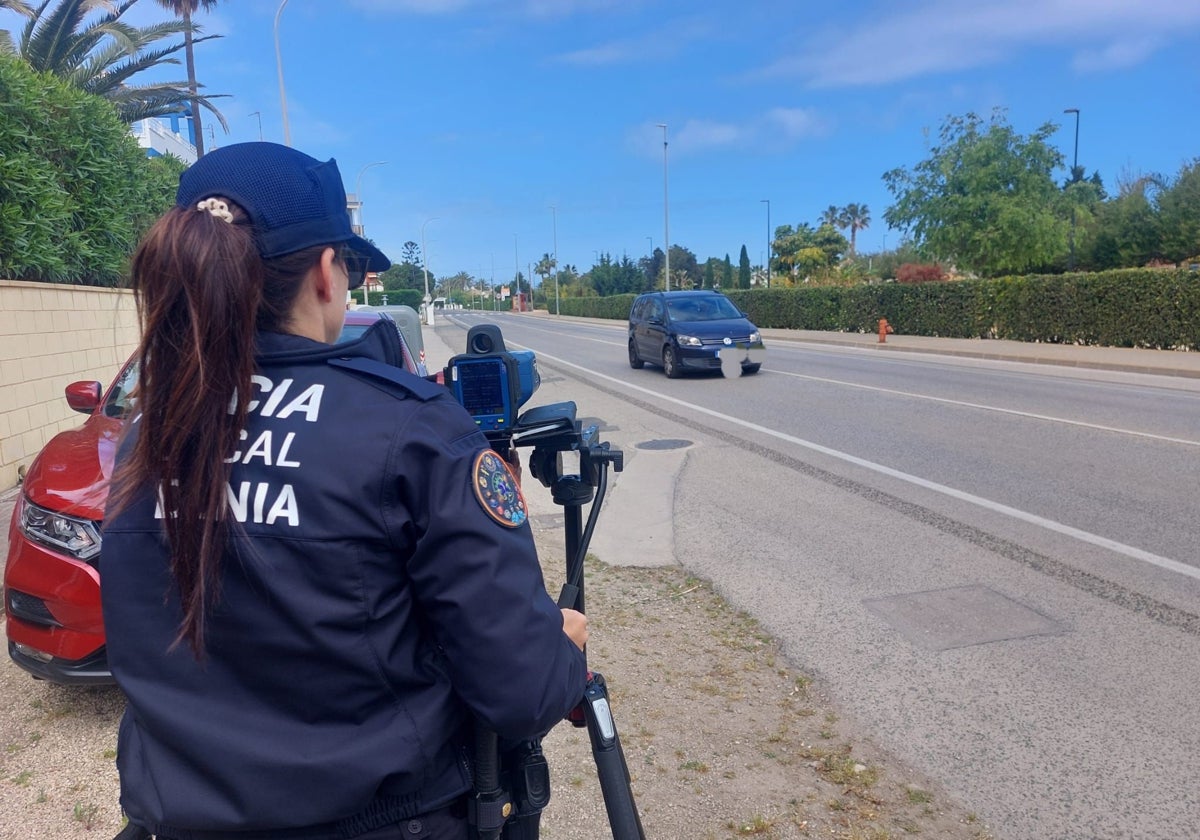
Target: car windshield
709,308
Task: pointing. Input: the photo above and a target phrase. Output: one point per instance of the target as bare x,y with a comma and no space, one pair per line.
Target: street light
554,217
516,274
1074,167
287,133
362,228
666,216
767,202
425,270
259,115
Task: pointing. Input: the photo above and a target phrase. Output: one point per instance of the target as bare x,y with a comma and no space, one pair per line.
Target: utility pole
666,216
1074,167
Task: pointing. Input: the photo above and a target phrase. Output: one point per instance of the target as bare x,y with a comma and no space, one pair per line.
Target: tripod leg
611,768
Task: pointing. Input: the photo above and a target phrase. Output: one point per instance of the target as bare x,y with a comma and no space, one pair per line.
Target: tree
727,273
185,9
984,197
410,252
856,217
1179,214
833,216
831,243
20,7
100,56
409,273
1127,230
545,266
744,269
710,273
685,269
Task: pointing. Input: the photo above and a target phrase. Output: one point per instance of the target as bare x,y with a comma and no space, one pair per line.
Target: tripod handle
568,597
611,768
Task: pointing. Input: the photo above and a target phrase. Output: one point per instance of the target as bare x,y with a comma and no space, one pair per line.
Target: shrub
76,191
920,273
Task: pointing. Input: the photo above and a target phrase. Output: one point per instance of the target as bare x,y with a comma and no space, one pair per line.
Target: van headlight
79,538
688,341
754,338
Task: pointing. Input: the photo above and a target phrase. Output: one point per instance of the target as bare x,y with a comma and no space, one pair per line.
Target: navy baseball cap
293,201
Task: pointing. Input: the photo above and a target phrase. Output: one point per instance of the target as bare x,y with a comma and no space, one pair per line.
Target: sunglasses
356,267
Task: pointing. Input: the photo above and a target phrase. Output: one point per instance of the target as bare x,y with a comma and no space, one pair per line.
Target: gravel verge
723,737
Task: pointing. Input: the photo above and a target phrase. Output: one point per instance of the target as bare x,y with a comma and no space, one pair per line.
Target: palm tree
834,217
856,217
101,55
185,9
21,8
545,266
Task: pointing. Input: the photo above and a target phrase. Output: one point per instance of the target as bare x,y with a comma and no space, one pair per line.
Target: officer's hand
514,463
575,625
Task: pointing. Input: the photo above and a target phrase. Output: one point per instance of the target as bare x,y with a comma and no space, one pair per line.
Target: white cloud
658,44
774,130
797,123
1115,56
941,36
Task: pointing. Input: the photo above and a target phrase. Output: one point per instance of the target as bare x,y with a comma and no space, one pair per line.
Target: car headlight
754,338
688,341
79,538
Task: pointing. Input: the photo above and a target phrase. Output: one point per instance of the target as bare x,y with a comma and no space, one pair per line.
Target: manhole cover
960,617
665,443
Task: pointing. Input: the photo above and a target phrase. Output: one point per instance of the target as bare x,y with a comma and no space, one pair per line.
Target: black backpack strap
422,389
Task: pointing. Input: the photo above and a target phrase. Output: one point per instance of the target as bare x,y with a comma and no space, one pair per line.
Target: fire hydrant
884,329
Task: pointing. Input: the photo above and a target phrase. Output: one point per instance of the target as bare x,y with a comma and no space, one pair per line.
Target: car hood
72,472
727,328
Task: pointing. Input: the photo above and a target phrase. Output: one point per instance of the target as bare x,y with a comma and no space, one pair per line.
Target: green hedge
1125,308
76,190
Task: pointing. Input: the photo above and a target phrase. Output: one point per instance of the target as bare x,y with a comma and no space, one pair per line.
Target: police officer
316,572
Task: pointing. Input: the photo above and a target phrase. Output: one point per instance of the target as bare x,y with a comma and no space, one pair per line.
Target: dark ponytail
202,290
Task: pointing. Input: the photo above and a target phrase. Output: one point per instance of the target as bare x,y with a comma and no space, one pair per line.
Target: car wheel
635,361
671,363
749,369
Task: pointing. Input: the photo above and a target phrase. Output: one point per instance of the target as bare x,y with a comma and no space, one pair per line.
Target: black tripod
552,431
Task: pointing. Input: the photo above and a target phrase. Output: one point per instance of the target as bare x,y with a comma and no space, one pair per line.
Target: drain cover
960,617
665,443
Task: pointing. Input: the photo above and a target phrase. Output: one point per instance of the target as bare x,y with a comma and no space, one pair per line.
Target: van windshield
708,308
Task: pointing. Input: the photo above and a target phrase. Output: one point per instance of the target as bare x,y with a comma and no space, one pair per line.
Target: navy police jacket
380,588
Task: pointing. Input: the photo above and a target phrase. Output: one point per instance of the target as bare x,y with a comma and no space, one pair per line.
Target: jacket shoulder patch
497,490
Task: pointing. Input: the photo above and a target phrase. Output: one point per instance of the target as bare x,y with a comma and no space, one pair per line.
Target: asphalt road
991,566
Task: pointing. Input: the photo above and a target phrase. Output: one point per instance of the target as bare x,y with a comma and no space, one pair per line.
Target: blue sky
490,112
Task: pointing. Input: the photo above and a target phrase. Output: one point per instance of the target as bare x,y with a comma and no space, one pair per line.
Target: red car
52,580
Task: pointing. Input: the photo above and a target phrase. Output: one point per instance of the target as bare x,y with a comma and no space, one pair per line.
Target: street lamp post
362,228
554,217
516,274
259,115
287,134
767,202
1074,167
666,217
425,271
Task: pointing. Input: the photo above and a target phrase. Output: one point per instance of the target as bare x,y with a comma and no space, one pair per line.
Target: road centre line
1129,551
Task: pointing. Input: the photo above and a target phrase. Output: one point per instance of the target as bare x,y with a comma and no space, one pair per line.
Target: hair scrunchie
217,208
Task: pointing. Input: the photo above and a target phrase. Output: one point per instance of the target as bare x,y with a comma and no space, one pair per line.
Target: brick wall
50,336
